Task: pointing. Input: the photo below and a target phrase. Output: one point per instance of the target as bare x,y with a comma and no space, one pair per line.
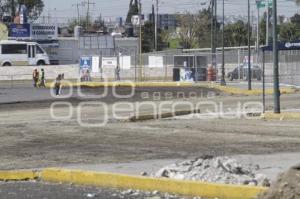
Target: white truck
22,53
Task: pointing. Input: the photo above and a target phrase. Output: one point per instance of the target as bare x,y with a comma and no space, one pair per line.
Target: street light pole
258,31
249,49
212,32
275,61
267,24
223,82
156,26
140,40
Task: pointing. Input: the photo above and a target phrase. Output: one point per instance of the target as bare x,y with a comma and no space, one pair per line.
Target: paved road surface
38,190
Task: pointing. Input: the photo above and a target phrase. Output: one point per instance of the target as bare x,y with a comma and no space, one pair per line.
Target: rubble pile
223,170
287,186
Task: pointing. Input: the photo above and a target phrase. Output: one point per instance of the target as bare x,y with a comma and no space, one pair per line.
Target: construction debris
223,170
286,187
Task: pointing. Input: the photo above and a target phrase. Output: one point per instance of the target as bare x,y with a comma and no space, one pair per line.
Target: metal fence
159,66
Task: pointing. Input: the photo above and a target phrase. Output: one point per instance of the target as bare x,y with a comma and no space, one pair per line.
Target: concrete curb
226,89
124,84
239,91
137,118
187,188
99,179
282,116
19,175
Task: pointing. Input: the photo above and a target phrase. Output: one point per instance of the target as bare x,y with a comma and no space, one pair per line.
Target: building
166,21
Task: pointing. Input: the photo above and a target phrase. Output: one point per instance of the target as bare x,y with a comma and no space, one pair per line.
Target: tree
236,34
203,28
288,32
34,7
148,37
262,28
188,30
296,20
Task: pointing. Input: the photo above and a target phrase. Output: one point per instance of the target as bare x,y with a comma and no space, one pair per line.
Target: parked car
242,71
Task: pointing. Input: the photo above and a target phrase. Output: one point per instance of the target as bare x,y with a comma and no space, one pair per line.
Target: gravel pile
223,170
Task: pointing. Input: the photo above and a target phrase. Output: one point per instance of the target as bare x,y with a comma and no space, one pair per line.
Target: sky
110,9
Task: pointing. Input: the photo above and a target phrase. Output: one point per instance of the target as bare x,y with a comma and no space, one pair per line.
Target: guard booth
190,68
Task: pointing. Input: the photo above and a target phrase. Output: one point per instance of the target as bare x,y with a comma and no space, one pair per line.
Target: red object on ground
211,74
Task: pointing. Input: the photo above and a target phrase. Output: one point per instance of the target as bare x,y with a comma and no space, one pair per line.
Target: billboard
42,31
19,30
33,31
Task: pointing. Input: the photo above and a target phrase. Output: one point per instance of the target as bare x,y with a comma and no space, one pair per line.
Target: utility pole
140,38
267,24
223,82
88,3
156,25
258,29
275,61
77,5
249,49
213,36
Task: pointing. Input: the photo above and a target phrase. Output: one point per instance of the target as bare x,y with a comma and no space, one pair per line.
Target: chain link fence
160,66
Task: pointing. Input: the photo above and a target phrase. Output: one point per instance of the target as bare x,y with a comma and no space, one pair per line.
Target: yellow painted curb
122,84
282,116
18,175
187,188
240,91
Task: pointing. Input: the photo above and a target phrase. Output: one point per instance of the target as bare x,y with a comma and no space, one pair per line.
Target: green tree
188,30
262,33
34,7
203,28
148,37
236,34
296,20
288,32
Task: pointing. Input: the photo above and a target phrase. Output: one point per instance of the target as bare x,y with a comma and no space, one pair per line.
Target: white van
19,53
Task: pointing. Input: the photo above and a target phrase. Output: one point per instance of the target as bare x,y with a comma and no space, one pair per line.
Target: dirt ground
286,187
31,138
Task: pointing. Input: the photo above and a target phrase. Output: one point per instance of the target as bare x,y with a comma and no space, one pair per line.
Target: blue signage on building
19,30
292,45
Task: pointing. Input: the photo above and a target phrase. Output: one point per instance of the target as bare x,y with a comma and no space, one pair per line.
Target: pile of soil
286,187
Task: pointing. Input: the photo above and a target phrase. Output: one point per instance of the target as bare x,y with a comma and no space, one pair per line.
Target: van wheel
41,63
7,64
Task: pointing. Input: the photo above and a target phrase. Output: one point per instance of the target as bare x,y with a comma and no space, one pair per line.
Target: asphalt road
39,190
28,94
